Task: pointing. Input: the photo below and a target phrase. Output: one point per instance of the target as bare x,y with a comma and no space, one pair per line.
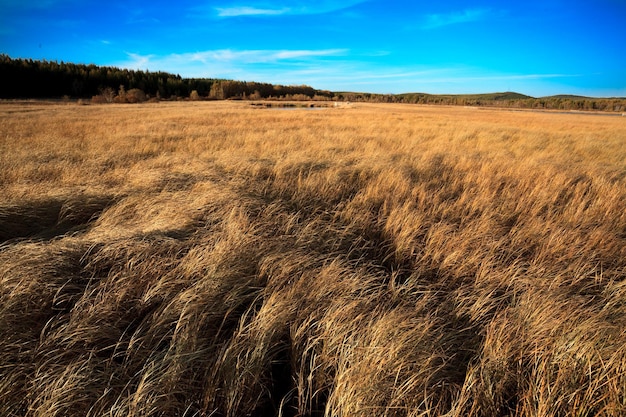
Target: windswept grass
209,259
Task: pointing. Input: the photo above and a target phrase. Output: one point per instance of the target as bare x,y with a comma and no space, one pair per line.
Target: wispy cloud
259,55
433,21
249,11
227,63
351,76
335,69
297,7
138,61
523,77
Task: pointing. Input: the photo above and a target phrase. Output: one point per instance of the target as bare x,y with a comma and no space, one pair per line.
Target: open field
214,259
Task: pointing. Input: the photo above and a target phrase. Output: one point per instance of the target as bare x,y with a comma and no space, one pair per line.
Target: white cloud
293,7
304,54
354,76
247,65
526,76
249,11
138,61
331,69
433,21
256,56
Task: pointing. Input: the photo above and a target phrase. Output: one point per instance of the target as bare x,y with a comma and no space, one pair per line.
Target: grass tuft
385,260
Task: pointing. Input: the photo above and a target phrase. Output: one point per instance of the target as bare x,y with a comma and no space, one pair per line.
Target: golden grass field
215,259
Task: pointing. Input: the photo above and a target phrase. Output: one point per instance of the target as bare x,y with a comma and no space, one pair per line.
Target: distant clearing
217,259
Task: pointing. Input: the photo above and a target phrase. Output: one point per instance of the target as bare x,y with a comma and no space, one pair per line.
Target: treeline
506,100
27,78
515,100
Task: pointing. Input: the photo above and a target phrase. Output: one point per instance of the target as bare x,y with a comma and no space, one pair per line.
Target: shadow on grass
49,218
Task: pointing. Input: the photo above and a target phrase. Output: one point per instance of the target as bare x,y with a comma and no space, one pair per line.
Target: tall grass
208,259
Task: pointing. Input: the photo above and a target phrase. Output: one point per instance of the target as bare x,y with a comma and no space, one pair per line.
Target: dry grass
209,259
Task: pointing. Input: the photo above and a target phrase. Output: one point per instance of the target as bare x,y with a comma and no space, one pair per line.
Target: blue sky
535,47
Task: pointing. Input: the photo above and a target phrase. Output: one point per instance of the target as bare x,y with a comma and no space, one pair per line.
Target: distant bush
135,95
98,99
108,94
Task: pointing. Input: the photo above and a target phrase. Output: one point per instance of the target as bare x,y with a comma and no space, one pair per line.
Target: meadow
217,259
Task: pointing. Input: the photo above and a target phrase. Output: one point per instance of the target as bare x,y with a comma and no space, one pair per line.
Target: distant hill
574,97
508,95
490,97
510,99
568,97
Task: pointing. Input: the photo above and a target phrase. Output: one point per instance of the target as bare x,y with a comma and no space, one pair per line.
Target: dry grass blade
210,259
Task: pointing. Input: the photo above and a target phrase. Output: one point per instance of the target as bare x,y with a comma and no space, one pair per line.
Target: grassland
213,259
